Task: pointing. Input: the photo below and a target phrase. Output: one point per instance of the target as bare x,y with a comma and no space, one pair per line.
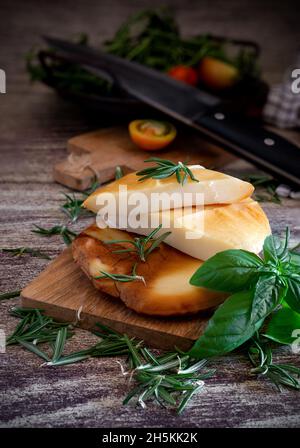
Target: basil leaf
268,293
229,327
295,258
275,249
282,325
228,271
293,292
271,245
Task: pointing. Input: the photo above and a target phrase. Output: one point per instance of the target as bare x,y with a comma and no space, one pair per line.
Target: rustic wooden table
34,127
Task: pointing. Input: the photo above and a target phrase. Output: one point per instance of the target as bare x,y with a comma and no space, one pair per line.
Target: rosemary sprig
19,251
94,185
10,295
35,327
66,234
143,246
73,207
169,379
123,278
111,344
261,357
166,168
268,184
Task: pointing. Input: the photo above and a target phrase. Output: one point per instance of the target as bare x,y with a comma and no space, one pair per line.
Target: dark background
274,24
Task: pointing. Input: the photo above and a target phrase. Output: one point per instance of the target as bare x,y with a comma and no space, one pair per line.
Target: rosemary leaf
166,168
123,278
59,344
73,207
63,361
66,234
94,185
187,397
19,251
34,349
260,355
267,185
35,327
143,246
10,295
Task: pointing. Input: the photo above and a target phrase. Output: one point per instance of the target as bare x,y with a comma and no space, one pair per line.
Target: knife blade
193,107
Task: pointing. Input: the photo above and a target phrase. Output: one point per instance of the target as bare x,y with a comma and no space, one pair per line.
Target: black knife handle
254,143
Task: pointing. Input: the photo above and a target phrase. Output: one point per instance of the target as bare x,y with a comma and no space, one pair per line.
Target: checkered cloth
283,107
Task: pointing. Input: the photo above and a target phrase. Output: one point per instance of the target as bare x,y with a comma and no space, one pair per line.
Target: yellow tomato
151,135
217,74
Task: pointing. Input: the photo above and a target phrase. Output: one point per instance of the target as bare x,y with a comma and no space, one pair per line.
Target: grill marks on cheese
217,188
166,271
242,225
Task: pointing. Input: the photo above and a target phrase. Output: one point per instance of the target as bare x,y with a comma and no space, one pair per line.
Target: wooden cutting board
62,289
99,152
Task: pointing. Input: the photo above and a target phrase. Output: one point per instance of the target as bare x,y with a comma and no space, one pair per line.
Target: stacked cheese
230,219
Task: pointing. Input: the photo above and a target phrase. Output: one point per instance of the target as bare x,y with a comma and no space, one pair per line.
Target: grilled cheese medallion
216,188
201,234
166,273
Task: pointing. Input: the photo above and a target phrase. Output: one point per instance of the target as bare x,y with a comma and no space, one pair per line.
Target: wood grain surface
34,128
104,149
62,289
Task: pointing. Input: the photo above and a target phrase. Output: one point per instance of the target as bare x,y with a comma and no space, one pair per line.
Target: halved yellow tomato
151,135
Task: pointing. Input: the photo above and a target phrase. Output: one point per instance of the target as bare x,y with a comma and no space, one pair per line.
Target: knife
193,107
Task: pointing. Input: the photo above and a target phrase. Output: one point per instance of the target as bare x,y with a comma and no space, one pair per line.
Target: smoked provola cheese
165,291
215,188
214,228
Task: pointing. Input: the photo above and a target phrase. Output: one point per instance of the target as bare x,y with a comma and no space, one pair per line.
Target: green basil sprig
281,328
259,286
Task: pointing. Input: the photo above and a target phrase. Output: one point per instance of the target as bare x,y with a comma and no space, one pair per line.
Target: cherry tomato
217,74
151,135
185,74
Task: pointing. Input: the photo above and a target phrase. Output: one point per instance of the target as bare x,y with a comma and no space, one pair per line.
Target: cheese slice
165,291
201,234
214,188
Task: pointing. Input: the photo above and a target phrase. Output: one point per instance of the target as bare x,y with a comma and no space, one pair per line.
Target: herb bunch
150,37
47,67
142,246
259,287
168,379
73,205
35,328
166,168
123,278
73,209
268,186
261,356
62,230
